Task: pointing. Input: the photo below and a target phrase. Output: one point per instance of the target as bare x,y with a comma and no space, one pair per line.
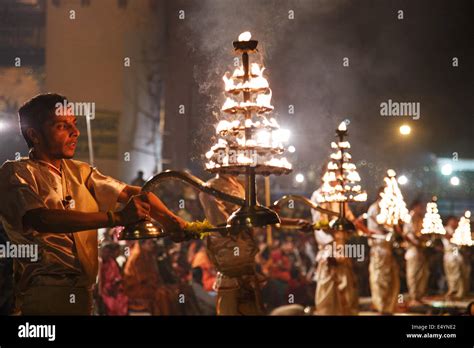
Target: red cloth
280,267
208,272
111,288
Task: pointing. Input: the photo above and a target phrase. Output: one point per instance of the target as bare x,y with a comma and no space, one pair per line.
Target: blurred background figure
111,291
139,180
384,275
336,286
206,300
417,266
143,283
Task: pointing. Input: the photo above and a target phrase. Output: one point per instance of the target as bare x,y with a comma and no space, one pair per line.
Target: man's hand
304,225
137,208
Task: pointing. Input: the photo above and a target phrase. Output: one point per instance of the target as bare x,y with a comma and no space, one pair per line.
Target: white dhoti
466,274
384,277
336,288
457,269
453,269
336,284
417,273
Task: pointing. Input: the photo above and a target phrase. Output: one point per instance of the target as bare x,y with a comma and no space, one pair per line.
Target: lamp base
342,224
254,216
142,230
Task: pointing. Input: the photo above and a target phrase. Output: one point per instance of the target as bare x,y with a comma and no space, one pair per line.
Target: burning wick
391,173
245,36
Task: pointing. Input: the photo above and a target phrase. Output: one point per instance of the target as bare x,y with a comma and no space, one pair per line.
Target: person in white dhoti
383,268
417,267
238,283
336,286
454,264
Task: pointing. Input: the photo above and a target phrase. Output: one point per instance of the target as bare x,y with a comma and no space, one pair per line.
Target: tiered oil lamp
249,142
392,205
432,226
341,181
432,223
462,235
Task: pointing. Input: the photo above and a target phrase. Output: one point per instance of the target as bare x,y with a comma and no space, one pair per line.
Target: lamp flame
245,36
342,126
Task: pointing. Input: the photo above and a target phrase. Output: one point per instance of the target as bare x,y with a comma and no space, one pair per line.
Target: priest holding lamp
384,218
336,289
58,203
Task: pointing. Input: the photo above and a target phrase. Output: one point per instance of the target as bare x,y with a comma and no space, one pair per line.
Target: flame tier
247,136
341,179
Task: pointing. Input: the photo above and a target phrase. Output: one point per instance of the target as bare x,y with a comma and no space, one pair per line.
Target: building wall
85,61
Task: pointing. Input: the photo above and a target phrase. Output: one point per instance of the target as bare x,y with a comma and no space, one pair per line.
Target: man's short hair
36,111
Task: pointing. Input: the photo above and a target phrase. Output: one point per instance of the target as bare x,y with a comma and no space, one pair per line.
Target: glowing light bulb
454,181
405,129
299,178
447,169
402,180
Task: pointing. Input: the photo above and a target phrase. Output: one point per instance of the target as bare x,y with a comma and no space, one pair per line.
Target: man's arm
139,207
64,221
68,221
214,209
128,192
303,224
158,210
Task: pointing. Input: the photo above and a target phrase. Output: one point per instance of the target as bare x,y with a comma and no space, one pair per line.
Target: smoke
211,26
303,45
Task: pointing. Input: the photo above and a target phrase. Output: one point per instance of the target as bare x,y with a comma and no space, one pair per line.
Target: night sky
303,45
405,60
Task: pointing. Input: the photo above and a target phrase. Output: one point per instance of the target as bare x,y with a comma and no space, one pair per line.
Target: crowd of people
55,205
160,277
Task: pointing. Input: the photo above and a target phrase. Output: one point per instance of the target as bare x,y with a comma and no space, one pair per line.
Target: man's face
60,136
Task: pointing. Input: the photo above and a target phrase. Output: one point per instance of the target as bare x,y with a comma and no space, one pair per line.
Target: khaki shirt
65,259
231,255
324,238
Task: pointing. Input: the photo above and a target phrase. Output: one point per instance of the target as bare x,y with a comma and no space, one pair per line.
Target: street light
405,129
299,178
291,149
454,181
402,180
447,169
